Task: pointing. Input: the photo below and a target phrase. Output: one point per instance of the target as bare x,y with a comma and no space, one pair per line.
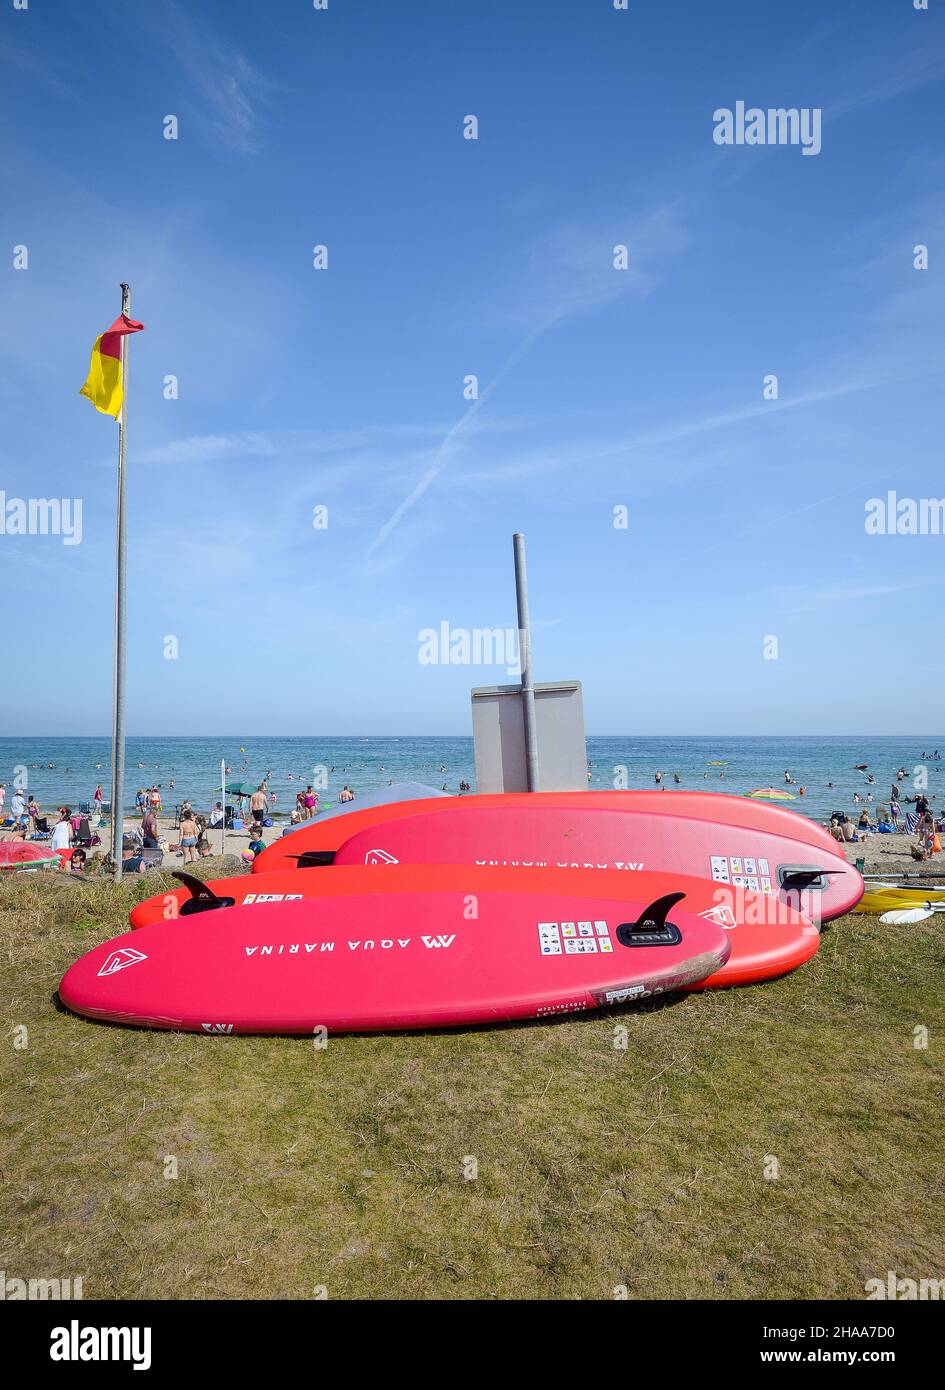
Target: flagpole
118,706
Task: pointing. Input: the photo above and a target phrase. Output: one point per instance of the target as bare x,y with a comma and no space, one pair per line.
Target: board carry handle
800,877
652,929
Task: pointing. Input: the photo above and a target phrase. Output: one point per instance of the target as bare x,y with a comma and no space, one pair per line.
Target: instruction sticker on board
574,939
742,872
549,942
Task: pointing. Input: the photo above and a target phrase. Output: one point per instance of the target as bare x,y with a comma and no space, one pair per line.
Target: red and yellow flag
103,385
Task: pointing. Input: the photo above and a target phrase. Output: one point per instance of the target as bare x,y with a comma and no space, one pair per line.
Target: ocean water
366,764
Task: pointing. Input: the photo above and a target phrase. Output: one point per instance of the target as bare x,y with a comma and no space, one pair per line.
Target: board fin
652,928
313,858
200,892
202,897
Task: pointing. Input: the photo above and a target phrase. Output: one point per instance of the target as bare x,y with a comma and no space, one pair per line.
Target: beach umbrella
237,788
771,794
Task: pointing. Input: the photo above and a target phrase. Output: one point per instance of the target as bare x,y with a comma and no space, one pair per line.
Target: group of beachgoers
72,836
262,802
921,820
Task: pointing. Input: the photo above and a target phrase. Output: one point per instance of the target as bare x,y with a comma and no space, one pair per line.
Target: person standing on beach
98,798
3,797
189,835
149,830
259,804
308,801
62,835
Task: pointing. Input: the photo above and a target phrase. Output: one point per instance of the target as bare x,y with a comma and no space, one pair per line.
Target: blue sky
598,388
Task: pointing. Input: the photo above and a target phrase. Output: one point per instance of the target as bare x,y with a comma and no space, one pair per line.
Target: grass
343,1169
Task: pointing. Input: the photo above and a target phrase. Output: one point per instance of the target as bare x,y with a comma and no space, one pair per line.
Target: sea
66,770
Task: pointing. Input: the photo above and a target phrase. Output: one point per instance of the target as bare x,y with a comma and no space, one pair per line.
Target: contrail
453,441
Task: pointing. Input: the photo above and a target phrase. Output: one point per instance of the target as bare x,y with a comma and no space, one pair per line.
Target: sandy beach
891,854
881,854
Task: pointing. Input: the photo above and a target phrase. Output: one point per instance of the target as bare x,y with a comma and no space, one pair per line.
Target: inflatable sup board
767,936
531,831
602,838
329,835
464,946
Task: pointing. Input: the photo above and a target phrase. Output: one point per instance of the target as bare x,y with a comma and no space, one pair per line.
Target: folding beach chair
84,837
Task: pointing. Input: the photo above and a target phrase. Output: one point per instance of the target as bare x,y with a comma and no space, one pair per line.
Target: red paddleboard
536,832
21,854
767,936
712,807
451,945
546,836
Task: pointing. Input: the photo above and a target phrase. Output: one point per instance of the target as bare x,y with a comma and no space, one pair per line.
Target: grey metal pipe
532,774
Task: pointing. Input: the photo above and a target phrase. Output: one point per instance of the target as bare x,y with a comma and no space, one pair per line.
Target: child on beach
203,839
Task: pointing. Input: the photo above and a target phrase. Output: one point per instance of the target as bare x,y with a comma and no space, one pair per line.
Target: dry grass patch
596,1167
